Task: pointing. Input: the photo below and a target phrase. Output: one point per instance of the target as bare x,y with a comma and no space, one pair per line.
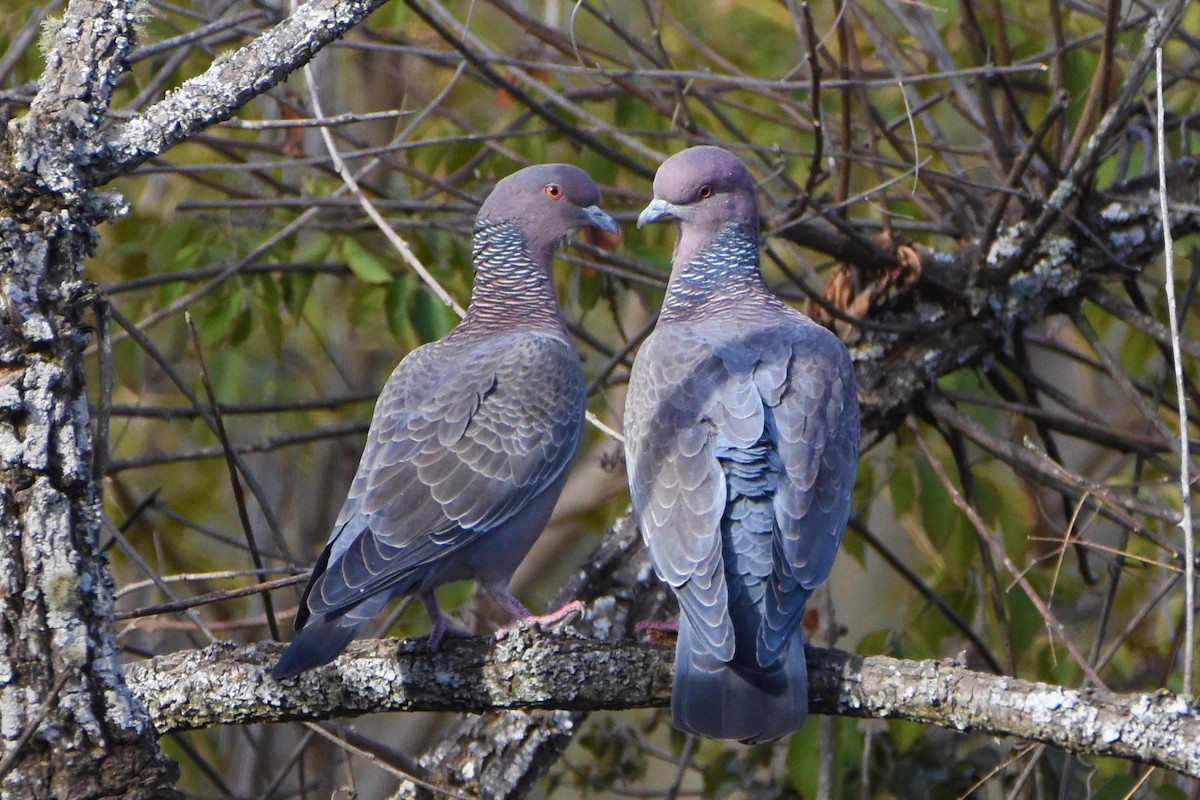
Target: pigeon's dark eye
705,192
553,191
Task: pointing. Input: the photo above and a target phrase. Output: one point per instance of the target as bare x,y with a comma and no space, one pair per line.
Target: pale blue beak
657,210
598,219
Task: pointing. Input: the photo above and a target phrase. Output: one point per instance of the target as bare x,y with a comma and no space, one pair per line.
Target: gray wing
463,438
675,482
814,404
694,393
817,417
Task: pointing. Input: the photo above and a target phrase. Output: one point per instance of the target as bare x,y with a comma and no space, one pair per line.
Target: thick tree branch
231,82
56,141
521,668
69,727
524,669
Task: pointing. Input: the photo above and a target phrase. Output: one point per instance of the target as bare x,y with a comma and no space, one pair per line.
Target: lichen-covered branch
54,145
974,317
1159,728
231,82
69,727
527,669
521,668
542,683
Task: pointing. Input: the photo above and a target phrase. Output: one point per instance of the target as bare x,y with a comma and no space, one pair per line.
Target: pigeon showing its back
472,435
741,437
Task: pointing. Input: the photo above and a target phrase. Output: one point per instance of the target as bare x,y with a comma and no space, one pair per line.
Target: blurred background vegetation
925,129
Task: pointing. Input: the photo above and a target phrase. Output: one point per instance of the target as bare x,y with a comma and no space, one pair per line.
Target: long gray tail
318,642
727,701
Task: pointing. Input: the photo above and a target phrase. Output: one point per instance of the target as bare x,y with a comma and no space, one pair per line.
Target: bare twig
368,207
231,465
211,597
1185,459
989,538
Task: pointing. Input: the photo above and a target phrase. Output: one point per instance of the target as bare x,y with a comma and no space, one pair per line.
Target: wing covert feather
695,393
676,484
818,424
463,438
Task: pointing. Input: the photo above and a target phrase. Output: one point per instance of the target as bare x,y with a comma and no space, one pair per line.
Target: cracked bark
69,727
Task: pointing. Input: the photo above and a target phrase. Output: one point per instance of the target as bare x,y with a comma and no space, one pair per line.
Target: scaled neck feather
716,277
513,287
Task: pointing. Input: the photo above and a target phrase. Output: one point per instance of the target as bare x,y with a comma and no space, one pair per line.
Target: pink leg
657,626
438,627
522,615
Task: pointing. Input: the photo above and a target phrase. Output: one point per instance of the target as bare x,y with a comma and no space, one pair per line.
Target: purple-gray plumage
472,435
741,438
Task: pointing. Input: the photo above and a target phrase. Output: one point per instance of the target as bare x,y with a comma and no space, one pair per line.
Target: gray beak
657,210
598,219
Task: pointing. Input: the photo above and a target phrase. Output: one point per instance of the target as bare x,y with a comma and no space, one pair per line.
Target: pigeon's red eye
553,191
705,192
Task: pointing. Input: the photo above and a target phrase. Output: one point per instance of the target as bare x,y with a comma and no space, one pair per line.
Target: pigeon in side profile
472,435
741,437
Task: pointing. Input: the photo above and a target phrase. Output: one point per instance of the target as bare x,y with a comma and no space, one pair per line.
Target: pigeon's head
549,202
705,189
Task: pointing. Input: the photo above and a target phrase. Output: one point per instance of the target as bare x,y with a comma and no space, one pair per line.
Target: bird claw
439,633
543,621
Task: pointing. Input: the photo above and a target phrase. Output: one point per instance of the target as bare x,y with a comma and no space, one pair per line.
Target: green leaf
456,594
243,323
875,643
222,313
295,287
392,15
855,546
429,315
270,313
312,247
905,734
903,490
1117,788
363,263
395,308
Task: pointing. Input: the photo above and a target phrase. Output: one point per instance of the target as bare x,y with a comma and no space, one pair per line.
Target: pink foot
523,616
558,614
657,628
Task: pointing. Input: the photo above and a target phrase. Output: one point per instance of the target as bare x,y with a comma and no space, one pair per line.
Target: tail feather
720,700
318,642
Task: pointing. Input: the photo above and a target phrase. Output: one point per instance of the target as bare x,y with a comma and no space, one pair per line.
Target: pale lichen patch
1007,243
